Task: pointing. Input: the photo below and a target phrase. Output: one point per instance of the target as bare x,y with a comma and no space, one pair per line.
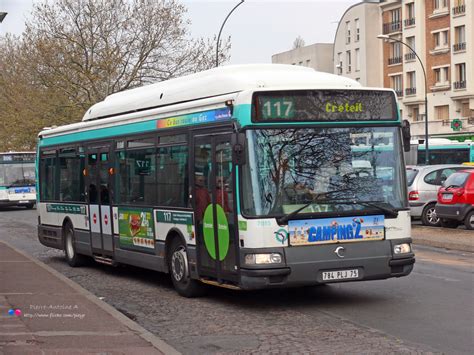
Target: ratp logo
281,235
14,312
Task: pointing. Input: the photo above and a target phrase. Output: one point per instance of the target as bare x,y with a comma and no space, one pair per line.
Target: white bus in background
17,179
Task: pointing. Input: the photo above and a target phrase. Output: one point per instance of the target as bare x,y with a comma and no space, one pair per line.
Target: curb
157,343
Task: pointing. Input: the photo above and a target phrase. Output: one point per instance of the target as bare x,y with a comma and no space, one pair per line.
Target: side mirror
238,148
406,135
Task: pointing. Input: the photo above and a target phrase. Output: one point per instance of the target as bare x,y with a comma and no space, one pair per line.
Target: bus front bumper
305,265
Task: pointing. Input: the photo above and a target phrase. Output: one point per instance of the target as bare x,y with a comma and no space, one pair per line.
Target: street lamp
2,16
220,31
387,38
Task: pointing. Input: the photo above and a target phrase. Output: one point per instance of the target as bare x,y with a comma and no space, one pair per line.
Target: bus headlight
402,248
257,259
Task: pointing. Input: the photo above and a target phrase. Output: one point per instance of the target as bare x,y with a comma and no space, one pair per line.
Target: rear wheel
429,217
179,270
469,220
449,223
73,259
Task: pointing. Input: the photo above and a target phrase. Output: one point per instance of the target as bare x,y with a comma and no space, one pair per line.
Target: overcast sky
258,28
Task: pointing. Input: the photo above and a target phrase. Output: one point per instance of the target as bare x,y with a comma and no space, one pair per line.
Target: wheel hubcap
432,217
179,264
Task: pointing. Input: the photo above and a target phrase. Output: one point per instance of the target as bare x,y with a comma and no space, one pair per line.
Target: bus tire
428,216
72,257
469,220
179,270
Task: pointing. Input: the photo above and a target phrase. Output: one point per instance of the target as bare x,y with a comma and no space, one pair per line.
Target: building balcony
410,56
409,22
410,91
398,92
459,10
394,60
457,47
391,27
460,84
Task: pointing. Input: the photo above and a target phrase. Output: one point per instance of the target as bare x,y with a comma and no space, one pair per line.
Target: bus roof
214,82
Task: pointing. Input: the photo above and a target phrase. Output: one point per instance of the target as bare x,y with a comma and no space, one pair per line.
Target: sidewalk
56,316
456,239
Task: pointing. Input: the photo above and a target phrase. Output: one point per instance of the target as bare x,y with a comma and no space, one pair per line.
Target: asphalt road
432,310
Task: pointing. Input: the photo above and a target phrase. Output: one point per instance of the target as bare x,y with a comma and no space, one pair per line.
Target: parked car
423,184
456,200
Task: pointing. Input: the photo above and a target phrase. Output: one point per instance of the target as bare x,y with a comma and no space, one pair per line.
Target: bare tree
298,42
74,53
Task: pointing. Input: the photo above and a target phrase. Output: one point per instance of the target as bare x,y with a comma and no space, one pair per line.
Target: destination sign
324,105
17,157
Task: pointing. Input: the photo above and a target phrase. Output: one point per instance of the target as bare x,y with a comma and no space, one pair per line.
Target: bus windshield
289,168
17,174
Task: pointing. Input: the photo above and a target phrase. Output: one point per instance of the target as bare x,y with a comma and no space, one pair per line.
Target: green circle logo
222,232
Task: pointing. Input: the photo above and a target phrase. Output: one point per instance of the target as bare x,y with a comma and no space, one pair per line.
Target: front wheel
469,220
179,270
429,217
72,258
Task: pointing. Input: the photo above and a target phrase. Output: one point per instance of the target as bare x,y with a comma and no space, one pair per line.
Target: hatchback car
456,200
423,184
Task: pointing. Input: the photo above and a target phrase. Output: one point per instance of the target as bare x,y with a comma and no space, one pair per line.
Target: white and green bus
245,177
17,179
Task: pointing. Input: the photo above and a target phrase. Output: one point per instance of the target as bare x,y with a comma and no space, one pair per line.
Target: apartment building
317,56
357,51
441,34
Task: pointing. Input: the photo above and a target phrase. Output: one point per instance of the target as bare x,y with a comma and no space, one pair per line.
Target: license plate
340,275
22,201
447,197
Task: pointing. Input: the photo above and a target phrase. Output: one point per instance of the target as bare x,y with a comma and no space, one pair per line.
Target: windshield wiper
285,218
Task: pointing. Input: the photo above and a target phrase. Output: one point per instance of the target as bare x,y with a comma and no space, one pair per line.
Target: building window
460,82
396,53
348,61
357,59
411,83
441,39
440,4
459,38
410,55
442,112
416,114
459,7
339,63
348,32
308,62
441,75
465,110
396,84
357,26
410,14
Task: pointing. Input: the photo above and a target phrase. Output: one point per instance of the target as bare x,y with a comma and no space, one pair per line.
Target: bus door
213,202
98,192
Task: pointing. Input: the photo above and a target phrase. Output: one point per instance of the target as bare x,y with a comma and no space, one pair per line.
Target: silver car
423,184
